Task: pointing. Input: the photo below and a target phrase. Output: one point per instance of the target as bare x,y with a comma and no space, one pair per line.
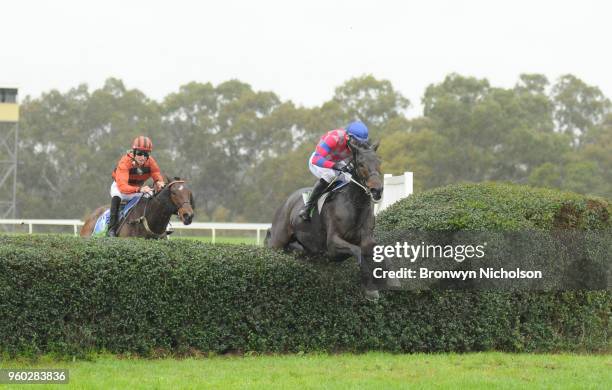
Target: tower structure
9,140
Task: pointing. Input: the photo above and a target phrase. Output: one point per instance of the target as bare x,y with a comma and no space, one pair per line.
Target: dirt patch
599,209
568,217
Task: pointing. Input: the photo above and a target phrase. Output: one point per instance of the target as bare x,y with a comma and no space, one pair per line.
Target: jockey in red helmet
129,176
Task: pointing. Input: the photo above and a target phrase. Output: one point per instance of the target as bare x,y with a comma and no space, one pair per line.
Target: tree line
243,151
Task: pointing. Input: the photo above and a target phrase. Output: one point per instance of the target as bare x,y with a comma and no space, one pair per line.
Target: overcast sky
301,50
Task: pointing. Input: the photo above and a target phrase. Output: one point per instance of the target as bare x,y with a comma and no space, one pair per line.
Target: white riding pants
114,191
326,174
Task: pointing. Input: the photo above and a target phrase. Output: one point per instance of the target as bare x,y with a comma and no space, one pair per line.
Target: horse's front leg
367,267
337,246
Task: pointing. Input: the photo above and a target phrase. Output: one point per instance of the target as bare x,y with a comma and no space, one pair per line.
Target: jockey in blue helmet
329,158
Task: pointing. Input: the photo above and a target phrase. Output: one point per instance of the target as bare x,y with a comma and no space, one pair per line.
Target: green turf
345,371
220,239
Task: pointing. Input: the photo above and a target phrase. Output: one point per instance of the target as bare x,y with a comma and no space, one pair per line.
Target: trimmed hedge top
495,206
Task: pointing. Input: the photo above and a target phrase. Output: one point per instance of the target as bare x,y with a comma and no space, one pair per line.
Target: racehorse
149,218
344,226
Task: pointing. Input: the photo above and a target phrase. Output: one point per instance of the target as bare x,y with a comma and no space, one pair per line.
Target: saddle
104,219
327,195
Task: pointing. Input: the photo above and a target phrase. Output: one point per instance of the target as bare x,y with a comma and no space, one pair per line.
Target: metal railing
75,223
212,226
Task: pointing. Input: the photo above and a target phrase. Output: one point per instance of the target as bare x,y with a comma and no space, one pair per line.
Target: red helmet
142,143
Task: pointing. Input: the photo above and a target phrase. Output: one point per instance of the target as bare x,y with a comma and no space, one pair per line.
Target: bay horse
149,218
344,227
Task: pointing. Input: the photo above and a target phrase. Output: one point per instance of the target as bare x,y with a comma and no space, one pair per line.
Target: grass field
345,371
220,239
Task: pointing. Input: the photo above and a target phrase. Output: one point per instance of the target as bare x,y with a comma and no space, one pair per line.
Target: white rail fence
75,223
396,188
212,226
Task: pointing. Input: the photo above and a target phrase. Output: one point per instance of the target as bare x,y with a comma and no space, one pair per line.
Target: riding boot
114,216
317,191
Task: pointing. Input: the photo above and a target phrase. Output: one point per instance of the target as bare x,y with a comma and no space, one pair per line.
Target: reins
353,172
143,218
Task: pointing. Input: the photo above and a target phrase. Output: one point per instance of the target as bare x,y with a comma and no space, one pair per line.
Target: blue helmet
358,130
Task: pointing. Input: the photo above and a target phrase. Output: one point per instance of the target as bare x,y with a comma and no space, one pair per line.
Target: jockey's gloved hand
346,176
339,166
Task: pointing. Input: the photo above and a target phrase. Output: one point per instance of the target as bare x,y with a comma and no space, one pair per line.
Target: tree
190,122
272,181
495,133
464,91
536,107
373,101
426,153
222,133
578,106
596,149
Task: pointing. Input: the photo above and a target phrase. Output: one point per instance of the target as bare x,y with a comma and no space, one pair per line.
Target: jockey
131,172
330,158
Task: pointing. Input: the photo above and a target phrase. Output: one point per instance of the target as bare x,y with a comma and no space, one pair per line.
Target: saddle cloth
337,184
104,219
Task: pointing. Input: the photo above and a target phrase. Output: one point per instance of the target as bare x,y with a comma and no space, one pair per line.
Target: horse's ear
376,145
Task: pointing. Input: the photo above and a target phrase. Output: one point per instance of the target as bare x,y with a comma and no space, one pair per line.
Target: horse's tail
90,222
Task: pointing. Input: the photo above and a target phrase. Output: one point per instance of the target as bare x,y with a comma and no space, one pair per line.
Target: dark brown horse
345,225
151,215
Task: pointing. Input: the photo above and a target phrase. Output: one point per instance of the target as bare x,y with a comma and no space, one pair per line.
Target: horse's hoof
372,295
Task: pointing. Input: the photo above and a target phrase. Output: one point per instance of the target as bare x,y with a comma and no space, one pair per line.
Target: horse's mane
363,145
364,148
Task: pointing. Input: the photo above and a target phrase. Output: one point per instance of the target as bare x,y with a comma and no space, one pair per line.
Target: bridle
360,181
178,207
143,218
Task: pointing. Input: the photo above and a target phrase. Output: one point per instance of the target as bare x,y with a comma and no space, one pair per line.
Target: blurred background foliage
244,151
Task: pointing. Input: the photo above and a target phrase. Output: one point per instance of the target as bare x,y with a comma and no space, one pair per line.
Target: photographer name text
482,273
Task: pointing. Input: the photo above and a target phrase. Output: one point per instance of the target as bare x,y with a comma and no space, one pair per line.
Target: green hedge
495,206
72,296
544,321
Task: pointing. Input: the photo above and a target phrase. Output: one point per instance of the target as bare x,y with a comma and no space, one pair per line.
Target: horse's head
367,167
182,199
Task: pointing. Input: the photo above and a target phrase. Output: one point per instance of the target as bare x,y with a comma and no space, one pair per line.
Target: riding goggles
141,153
